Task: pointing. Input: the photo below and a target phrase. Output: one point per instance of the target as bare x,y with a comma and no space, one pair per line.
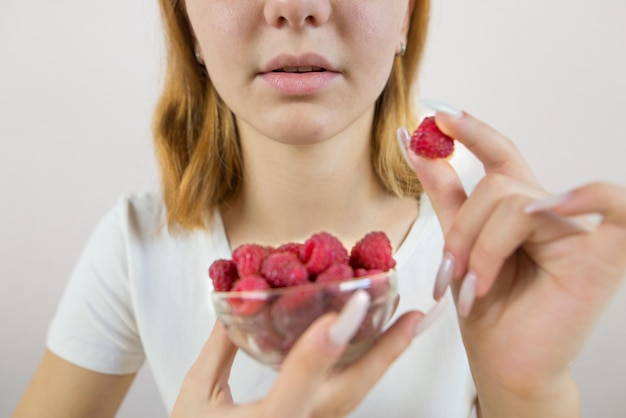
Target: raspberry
223,273
260,332
249,258
372,252
322,251
284,269
361,272
335,273
293,312
428,141
290,247
246,306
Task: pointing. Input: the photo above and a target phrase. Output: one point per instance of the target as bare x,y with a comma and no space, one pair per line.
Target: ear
406,24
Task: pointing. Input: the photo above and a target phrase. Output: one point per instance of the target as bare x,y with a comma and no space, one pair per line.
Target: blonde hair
196,138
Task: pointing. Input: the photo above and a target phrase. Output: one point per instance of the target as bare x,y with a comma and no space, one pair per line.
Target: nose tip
297,13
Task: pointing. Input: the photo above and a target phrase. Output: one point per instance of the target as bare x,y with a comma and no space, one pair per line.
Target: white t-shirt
140,293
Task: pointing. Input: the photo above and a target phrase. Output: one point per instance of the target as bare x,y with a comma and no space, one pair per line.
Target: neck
292,191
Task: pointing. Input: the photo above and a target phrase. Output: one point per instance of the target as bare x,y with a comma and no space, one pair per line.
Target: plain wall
78,82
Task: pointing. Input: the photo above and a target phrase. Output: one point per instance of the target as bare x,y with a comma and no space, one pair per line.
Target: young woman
278,120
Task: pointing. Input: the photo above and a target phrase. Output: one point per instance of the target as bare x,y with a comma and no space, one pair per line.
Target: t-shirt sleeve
94,326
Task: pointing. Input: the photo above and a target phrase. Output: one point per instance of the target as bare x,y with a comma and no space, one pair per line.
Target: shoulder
143,207
137,214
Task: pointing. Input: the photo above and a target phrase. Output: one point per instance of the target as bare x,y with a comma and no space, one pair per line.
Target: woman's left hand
529,274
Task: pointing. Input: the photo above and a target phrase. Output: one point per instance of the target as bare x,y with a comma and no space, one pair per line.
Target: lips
300,69
305,63
299,75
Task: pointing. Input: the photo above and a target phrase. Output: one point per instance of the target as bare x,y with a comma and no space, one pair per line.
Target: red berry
361,272
428,141
223,273
284,269
335,273
294,311
246,305
249,258
322,251
372,252
290,247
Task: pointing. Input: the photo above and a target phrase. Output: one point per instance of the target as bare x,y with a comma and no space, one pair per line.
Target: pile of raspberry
320,259
279,320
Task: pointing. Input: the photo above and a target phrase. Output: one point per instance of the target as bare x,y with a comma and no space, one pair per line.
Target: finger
440,181
211,370
492,247
351,384
474,213
313,355
497,153
606,199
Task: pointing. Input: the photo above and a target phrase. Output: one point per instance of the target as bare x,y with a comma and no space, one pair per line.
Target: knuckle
457,235
514,203
494,183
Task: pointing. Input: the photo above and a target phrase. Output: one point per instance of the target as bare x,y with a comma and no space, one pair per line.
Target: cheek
218,25
375,30
376,25
374,36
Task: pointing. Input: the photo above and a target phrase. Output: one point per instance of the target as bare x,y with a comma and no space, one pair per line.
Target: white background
78,82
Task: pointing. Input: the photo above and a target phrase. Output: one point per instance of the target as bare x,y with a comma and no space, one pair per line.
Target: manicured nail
444,275
349,319
441,107
404,139
467,294
431,317
545,203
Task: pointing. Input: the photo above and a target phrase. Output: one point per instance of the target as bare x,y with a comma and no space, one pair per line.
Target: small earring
402,49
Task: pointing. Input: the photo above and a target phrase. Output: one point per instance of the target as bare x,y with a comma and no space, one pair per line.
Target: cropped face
299,71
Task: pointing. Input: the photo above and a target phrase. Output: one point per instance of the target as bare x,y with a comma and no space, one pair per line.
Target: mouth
302,69
298,64
299,75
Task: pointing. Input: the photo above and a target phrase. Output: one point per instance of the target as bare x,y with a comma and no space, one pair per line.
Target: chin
301,130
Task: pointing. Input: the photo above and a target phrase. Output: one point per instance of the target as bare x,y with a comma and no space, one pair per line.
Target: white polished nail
404,139
467,294
349,319
444,275
441,107
545,203
431,317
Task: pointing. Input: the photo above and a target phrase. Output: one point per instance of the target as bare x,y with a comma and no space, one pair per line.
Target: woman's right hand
307,385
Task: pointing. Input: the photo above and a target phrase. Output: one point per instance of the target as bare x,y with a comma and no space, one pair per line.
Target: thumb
439,179
314,355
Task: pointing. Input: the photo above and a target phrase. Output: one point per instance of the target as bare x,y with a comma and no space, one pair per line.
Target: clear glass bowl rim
362,282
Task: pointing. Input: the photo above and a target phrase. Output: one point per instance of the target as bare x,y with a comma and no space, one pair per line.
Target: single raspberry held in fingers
322,251
428,140
223,273
247,306
249,258
372,252
284,269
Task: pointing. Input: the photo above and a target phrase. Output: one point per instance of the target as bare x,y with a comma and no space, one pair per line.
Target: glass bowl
266,323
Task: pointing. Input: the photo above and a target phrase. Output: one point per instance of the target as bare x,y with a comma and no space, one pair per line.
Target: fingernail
349,319
444,275
441,107
467,294
545,203
430,318
404,139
